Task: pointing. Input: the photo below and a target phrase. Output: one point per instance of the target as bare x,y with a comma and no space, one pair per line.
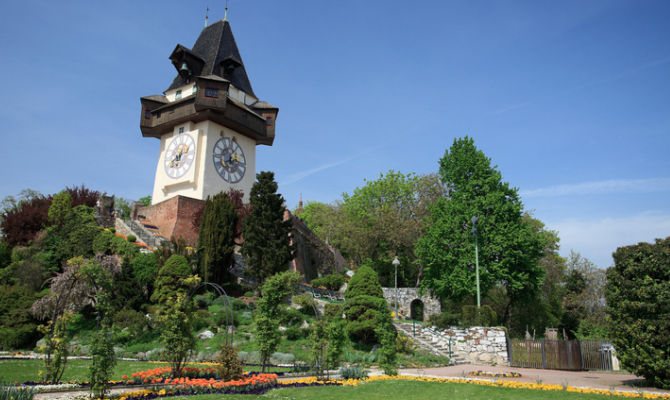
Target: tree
387,335
266,321
266,245
638,309
364,299
509,251
216,238
176,310
60,207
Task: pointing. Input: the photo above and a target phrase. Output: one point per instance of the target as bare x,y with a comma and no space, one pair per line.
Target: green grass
405,390
77,370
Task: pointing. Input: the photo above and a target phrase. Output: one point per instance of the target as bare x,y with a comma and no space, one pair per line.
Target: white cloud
293,178
598,239
602,187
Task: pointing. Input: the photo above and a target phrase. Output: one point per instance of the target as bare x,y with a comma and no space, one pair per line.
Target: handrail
448,338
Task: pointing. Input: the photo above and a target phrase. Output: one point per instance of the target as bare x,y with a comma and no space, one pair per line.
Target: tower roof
214,53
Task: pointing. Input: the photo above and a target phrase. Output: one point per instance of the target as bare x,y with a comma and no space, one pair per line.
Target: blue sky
570,99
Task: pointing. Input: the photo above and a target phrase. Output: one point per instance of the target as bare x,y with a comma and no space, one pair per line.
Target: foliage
17,328
478,316
331,282
145,201
509,250
229,366
445,319
74,237
266,322
103,361
216,239
60,207
583,300
5,254
638,305
56,347
378,221
177,337
353,372
21,223
364,299
131,238
145,269
17,393
173,278
266,245
387,335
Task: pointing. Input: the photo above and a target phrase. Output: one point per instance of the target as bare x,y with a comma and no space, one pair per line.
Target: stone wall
406,296
313,257
478,345
174,217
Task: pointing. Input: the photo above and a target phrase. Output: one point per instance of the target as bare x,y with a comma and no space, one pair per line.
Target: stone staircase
431,341
147,231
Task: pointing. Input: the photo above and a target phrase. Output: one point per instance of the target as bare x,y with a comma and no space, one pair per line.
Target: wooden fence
572,355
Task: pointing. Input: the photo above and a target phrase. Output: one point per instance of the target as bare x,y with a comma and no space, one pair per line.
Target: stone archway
416,310
407,296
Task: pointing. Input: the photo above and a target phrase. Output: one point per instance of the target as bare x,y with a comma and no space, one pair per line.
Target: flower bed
488,374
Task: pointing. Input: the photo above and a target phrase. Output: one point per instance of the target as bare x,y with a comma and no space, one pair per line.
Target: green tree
266,322
266,245
176,310
216,239
638,309
387,335
364,300
60,207
509,251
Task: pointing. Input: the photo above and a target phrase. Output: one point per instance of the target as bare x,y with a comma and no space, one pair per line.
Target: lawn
406,390
76,370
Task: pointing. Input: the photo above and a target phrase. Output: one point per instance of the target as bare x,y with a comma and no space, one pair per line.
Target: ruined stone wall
478,345
431,305
174,217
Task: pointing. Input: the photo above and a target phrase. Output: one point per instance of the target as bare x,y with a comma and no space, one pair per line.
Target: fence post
544,356
509,352
581,353
568,349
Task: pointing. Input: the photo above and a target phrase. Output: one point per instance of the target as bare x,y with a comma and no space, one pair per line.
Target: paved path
596,380
590,379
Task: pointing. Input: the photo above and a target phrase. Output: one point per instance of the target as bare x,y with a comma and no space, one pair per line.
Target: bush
353,372
134,321
478,316
444,320
364,300
230,367
306,303
638,304
17,393
282,358
18,329
331,282
291,316
201,320
293,333
131,238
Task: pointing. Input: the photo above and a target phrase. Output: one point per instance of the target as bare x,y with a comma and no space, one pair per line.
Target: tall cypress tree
216,238
266,245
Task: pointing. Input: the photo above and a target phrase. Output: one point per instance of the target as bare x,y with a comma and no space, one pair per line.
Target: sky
569,99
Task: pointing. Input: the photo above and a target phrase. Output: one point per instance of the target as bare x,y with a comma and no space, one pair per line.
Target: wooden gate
559,354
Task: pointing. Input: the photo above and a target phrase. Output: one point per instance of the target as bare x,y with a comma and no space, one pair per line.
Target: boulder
205,335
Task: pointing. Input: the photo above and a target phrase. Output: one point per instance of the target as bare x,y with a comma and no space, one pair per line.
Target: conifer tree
266,245
216,238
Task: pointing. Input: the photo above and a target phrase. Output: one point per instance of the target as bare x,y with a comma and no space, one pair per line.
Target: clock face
229,160
179,156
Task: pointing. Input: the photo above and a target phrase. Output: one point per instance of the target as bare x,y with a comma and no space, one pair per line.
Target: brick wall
174,217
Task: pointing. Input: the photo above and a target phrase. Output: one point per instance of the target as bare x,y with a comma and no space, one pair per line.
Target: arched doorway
416,310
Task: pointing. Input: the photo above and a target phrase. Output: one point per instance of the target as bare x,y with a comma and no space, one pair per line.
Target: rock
486,357
205,335
304,325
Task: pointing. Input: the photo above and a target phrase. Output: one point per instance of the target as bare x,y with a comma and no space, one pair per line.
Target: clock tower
209,121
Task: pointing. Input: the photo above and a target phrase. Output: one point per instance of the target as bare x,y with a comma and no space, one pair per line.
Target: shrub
18,329
638,304
364,300
478,316
291,316
200,320
305,301
133,320
248,294
444,320
353,372
331,282
230,367
17,393
282,358
102,244
332,310
131,238
293,333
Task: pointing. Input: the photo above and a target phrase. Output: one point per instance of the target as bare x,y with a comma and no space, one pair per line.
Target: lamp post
474,220
395,263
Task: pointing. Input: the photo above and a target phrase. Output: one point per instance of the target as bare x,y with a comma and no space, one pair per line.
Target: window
147,114
194,90
268,121
158,114
177,95
181,129
212,92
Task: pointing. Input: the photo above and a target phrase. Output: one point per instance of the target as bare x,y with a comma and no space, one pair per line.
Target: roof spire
225,14
206,16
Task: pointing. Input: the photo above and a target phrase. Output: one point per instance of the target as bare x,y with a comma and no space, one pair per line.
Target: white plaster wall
186,90
202,179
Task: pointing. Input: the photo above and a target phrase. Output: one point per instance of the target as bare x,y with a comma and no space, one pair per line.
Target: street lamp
395,263
474,220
